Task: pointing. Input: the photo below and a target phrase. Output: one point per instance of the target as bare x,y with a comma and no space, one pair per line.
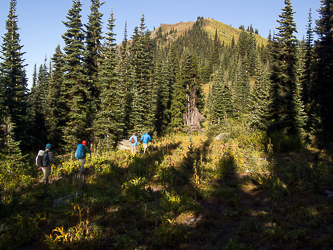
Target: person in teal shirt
145,139
83,160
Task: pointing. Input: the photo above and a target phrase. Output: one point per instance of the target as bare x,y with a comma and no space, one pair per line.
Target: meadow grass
189,191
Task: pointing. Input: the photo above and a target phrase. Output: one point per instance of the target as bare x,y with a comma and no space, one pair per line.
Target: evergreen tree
55,101
126,81
214,60
147,67
193,91
142,63
286,108
93,48
227,97
243,44
217,109
162,92
138,88
322,91
259,99
37,107
241,88
173,64
252,55
178,100
308,62
11,156
77,89
34,77
13,79
110,119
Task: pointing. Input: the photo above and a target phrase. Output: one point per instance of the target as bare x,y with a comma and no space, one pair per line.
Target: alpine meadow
240,128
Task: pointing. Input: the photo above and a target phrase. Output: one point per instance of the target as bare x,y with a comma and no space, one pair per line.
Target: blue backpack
80,154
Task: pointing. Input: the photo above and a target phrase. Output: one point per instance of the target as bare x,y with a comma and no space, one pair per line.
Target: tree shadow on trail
242,212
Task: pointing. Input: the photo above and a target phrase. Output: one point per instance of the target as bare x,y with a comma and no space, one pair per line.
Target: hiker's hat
84,143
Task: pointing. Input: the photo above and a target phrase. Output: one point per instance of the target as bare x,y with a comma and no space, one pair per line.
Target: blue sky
41,27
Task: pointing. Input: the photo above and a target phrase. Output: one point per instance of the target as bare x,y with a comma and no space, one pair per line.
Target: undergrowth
244,191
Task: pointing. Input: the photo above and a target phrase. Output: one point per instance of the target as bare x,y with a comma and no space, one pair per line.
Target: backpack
39,158
80,153
46,158
132,140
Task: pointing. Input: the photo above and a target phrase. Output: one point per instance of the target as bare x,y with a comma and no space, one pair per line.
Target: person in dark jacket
47,169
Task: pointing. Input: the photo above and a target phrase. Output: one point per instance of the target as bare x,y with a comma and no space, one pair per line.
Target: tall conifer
322,91
178,100
13,79
110,118
55,101
126,81
93,49
286,107
308,61
77,88
259,99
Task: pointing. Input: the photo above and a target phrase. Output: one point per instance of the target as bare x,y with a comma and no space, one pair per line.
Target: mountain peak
225,32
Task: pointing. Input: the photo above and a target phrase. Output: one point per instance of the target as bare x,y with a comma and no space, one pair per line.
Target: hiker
134,142
145,138
80,154
47,160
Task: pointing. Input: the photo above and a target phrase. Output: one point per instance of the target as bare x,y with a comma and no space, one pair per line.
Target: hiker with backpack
134,142
44,160
80,154
145,139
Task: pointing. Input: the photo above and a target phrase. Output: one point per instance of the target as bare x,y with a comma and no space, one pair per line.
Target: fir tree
13,79
147,65
37,107
10,154
322,91
34,78
252,54
241,88
308,61
227,97
77,88
126,82
93,48
142,63
259,99
286,108
193,91
162,92
178,100
214,60
138,88
110,119
217,109
55,101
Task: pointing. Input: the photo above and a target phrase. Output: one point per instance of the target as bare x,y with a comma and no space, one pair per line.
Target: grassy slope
225,32
180,27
